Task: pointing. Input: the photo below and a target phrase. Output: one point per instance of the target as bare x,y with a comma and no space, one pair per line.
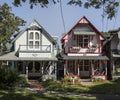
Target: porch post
106,67
75,67
92,65
26,69
78,70
65,65
55,70
113,66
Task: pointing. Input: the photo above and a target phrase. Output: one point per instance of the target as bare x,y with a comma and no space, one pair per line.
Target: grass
105,87
25,95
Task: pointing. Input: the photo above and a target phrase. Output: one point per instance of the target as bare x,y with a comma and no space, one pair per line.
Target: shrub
23,81
8,77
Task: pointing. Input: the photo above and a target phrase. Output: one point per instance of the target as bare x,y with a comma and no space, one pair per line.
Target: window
34,39
31,35
36,44
83,40
30,44
36,35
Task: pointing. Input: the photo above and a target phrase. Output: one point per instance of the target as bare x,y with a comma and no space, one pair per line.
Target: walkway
36,87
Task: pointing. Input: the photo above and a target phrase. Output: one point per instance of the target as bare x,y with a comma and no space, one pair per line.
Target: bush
8,77
23,81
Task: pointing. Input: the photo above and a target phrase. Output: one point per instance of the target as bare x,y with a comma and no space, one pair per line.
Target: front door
34,69
84,68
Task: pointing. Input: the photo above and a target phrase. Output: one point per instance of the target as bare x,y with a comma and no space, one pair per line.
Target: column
75,67
65,65
26,69
113,65
78,70
92,66
106,67
55,70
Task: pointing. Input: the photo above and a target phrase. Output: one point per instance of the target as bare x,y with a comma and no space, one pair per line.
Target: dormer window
34,39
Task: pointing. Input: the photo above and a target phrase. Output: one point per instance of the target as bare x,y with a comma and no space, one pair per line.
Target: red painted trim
89,23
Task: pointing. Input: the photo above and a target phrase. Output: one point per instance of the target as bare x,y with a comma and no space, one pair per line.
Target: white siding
22,40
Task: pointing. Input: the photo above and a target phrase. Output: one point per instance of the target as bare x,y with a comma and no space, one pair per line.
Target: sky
50,18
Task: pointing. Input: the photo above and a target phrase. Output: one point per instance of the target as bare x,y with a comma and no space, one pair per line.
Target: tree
109,6
9,24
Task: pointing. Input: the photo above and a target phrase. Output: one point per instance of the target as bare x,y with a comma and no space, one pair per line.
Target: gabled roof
35,25
84,20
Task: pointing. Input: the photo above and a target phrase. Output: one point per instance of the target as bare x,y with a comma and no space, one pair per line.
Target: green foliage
9,24
25,95
8,77
104,87
23,81
109,6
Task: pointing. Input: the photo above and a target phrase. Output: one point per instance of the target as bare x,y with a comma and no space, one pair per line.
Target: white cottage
83,51
33,52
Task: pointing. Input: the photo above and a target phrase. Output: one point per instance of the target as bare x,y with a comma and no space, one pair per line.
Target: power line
61,10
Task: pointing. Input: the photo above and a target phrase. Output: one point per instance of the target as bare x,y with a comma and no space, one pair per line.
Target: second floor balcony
78,49
35,48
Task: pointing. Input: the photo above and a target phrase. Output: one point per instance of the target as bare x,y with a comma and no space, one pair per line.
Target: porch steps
85,80
35,84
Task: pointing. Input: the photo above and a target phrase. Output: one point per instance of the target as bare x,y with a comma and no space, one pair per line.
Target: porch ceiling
11,56
65,57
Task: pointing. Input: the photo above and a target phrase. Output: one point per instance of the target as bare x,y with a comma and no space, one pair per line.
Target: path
36,87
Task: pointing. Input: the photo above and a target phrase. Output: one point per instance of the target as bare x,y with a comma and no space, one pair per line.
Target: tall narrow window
31,35
30,44
36,35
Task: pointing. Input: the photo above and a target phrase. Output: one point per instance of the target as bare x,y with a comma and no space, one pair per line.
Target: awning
65,57
11,56
83,33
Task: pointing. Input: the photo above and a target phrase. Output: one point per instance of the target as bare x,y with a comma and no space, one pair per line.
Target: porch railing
39,48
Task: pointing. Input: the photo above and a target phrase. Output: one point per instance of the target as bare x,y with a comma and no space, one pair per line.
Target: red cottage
83,51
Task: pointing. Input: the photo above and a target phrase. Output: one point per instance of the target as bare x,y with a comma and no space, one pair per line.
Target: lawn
25,95
104,87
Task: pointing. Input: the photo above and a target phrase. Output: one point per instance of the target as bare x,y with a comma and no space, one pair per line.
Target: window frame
34,39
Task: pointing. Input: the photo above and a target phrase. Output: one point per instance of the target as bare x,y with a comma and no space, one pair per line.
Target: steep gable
34,25
86,26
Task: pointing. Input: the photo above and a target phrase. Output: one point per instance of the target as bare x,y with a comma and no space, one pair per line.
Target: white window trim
33,40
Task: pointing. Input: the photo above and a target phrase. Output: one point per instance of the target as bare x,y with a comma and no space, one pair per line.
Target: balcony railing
38,48
77,49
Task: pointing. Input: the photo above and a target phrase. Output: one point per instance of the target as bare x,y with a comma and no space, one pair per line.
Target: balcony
35,48
81,50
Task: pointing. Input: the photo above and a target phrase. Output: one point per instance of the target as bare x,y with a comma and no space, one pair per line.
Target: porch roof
116,55
11,56
65,57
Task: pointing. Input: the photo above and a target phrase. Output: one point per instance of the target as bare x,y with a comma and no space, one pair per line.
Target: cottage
114,42
33,52
83,52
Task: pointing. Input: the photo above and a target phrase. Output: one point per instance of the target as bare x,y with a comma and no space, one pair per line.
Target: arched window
36,35
31,35
34,39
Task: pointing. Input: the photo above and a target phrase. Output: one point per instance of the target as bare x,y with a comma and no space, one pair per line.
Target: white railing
40,48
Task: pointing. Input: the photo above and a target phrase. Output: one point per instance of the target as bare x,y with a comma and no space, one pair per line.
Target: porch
86,67
42,70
